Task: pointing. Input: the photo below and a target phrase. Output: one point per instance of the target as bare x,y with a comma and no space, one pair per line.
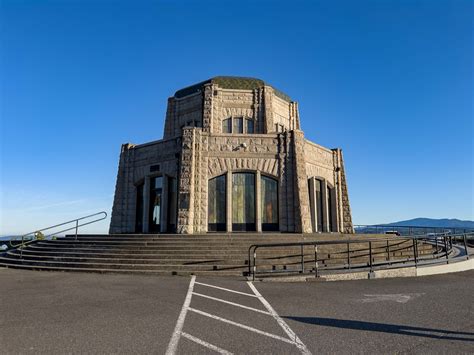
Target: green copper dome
230,82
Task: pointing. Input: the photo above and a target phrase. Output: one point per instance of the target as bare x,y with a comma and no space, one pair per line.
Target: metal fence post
348,256
446,249
302,259
465,246
414,251
254,263
77,226
316,270
370,256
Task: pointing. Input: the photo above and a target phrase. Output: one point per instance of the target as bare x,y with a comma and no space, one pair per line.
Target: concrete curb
447,268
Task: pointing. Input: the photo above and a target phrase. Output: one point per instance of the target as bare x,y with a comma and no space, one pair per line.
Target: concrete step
203,254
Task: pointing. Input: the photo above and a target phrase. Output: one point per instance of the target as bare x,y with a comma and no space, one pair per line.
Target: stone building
233,158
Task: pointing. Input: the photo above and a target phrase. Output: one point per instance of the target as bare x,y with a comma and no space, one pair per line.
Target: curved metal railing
407,230
380,248
31,237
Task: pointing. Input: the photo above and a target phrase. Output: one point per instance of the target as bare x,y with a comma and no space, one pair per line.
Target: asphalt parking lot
57,313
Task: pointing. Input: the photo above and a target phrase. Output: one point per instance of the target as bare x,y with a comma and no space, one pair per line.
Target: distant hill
431,222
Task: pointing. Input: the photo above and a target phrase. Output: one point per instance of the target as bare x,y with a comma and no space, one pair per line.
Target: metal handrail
386,227
37,232
446,241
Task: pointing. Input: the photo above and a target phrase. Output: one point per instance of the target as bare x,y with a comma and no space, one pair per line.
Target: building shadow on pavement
386,328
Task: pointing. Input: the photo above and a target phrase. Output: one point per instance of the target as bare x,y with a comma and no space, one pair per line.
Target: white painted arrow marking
391,297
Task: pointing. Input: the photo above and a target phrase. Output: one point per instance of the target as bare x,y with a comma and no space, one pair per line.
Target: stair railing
31,237
441,241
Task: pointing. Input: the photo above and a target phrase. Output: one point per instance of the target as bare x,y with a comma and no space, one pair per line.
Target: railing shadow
386,328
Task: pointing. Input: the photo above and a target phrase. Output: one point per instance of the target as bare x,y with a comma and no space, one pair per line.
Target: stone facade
224,127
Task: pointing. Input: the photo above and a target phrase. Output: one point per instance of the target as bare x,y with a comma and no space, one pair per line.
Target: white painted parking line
299,344
243,326
173,344
178,331
231,303
226,289
206,344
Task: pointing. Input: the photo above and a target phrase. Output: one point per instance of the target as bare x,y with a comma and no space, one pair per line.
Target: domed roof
230,82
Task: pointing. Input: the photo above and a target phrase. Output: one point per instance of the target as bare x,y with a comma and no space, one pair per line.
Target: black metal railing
407,230
378,252
38,234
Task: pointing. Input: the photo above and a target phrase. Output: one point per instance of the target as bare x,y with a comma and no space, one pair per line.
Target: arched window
269,203
217,204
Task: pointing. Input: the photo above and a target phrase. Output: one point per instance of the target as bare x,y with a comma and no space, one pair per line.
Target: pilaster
346,208
207,108
186,183
302,209
268,105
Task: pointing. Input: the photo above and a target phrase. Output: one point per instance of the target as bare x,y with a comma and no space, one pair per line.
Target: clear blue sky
390,82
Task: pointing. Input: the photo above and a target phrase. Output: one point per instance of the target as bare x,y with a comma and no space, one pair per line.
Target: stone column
186,184
207,122
283,201
268,104
228,201
301,196
294,116
346,208
338,189
258,202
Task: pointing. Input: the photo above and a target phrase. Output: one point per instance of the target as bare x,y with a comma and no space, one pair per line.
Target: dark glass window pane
319,203
139,210
227,126
156,191
243,202
250,126
158,182
238,125
172,202
269,203
217,204
329,196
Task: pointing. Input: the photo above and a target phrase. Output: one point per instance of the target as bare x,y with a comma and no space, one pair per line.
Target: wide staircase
207,254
